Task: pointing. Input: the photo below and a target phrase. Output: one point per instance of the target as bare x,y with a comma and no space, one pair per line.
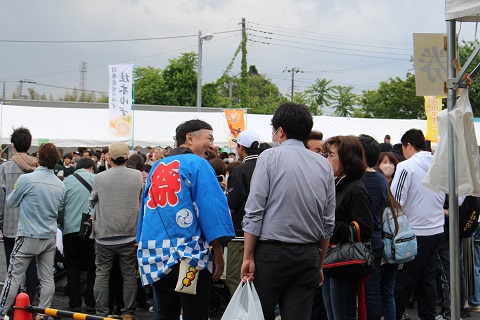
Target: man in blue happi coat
184,214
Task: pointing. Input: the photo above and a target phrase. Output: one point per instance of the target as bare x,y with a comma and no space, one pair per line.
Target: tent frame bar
453,83
459,82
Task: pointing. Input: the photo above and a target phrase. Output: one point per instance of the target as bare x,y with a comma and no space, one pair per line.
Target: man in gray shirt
116,197
289,216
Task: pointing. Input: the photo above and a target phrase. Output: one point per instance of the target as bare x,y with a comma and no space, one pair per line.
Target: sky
354,43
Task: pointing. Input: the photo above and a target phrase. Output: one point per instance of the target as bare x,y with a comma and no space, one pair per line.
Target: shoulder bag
351,260
86,221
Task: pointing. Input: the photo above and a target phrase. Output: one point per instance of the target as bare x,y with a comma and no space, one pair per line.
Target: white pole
199,72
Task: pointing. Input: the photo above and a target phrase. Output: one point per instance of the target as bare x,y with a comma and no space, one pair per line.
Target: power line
111,40
331,41
323,46
332,35
326,51
60,87
103,65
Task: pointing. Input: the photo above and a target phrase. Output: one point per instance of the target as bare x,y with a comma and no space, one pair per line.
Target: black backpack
468,216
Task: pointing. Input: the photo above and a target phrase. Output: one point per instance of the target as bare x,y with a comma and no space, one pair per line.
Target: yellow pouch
187,278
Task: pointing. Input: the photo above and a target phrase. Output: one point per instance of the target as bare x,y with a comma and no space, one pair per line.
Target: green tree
465,50
321,93
150,86
103,98
87,96
344,101
306,99
180,77
394,99
210,96
264,94
34,95
70,96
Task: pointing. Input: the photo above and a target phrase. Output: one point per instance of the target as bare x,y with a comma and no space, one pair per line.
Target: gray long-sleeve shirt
116,194
292,196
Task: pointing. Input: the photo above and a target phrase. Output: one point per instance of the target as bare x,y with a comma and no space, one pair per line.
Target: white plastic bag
467,157
245,304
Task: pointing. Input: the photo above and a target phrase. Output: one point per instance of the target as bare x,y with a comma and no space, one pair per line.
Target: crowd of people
166,219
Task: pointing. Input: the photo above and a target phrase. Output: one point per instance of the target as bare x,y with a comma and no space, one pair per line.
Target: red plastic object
362,309
20,313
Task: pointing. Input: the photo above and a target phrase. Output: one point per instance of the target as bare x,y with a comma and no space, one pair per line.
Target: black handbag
349,261
86,225
86,222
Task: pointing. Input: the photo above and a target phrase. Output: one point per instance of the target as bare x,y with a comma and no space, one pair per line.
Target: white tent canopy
87,127
462,10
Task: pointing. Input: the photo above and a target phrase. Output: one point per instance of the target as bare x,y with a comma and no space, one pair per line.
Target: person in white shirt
424,209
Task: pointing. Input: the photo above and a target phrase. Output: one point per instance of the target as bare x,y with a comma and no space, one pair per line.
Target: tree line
176,85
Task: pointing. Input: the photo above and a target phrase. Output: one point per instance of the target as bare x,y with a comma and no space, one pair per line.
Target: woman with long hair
388,271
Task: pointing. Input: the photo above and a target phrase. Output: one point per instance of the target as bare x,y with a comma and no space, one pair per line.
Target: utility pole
83,79
293,71
21,87
244,82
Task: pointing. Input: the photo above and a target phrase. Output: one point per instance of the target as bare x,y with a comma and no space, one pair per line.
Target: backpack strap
85,183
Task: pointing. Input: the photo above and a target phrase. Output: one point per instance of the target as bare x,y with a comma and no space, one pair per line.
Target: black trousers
32,277
419,274
79,255
287,275
169,302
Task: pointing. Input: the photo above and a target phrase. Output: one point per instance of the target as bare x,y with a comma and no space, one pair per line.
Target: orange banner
235,121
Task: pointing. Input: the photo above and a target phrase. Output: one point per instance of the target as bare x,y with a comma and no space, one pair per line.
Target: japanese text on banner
120,99
433,105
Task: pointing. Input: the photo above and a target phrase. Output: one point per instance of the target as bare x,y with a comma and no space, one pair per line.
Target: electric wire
111,40
327,51
325,40
332,35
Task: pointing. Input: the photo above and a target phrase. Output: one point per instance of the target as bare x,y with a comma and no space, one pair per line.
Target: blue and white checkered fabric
155,261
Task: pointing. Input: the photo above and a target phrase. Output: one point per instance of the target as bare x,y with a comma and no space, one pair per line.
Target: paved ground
60,300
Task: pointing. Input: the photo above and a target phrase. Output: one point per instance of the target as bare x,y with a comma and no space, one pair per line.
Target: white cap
247,137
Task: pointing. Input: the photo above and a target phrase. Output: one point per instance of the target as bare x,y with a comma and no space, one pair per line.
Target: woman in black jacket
345,154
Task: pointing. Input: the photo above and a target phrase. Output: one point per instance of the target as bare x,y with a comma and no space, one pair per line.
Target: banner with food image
235,121
120,98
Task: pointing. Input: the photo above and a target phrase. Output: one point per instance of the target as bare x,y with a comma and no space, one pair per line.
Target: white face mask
275,143
387,169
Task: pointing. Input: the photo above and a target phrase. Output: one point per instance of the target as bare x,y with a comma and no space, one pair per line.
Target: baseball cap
247,137
118,150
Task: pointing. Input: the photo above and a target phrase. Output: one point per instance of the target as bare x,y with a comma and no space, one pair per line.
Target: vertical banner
433,105
430,61
235,121
120,98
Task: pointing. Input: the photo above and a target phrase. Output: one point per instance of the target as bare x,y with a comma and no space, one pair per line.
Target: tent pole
454,239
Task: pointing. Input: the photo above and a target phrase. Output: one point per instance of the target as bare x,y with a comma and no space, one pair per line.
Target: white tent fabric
86,127
462,10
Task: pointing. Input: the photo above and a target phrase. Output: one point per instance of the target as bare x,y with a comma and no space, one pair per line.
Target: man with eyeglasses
289,217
